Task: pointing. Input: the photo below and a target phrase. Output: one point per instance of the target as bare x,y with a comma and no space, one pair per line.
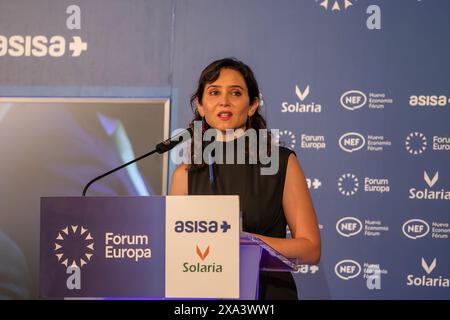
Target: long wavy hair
210,74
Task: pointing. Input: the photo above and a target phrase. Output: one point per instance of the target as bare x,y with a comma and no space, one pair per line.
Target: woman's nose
224,100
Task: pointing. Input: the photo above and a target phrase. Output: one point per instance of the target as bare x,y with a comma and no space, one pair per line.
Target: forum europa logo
285,138
348,184
416,143
74,246
335,5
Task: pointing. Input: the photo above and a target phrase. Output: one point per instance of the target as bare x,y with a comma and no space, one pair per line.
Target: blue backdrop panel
358,89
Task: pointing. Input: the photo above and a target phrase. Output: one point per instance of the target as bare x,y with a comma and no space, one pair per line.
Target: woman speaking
227,101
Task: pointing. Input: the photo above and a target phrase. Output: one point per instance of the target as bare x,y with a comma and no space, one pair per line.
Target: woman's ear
200,108
253,107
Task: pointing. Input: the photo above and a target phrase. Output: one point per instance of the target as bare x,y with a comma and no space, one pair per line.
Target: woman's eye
213,93
236,93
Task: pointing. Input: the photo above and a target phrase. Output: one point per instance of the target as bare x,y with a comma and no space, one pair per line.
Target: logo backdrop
359,89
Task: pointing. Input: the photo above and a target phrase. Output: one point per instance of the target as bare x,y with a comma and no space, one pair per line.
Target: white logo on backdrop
349,226
416,143
285,138
70,235
313,184
428,280
347,269
353,99
301,106
415,228
348,184
352,141
427,194
301,95
335,5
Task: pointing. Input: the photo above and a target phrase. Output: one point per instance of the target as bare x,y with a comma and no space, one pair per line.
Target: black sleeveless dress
260,203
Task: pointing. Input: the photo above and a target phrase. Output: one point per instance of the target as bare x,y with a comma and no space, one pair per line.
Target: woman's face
226,104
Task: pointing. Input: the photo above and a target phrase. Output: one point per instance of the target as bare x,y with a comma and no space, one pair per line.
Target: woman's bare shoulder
179,185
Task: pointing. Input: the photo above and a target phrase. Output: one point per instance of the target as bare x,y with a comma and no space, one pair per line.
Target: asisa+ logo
40,46
201,226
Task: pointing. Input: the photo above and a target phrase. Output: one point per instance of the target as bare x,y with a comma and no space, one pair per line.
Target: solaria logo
74,246
300,106
202,266
427,193
430,279
335,5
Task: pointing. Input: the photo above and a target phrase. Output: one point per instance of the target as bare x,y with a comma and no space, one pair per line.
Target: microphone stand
161,147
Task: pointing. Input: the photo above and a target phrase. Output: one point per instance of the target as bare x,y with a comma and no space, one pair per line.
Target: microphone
170,143
161,147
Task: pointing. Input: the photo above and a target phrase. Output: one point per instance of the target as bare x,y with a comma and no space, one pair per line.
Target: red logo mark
201,254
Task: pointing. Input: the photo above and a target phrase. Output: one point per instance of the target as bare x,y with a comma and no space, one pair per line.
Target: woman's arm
301,218
179,184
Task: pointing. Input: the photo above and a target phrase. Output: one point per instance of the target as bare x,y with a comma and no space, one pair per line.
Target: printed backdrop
359,89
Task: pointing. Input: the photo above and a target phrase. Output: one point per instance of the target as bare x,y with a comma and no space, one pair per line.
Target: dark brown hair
210,74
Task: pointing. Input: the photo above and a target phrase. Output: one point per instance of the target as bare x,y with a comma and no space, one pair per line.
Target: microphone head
170,143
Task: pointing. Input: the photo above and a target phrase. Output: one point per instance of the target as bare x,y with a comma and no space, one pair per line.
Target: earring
203,125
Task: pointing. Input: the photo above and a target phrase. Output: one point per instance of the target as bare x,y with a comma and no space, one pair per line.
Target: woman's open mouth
225,115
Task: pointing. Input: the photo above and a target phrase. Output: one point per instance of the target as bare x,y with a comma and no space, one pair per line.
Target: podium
150,247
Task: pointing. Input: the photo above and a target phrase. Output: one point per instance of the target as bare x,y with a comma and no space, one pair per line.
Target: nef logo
352,141
348,226
415,228
352,100
347,269
201,226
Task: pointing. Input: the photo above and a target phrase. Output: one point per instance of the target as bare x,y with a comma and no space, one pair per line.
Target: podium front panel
118,244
